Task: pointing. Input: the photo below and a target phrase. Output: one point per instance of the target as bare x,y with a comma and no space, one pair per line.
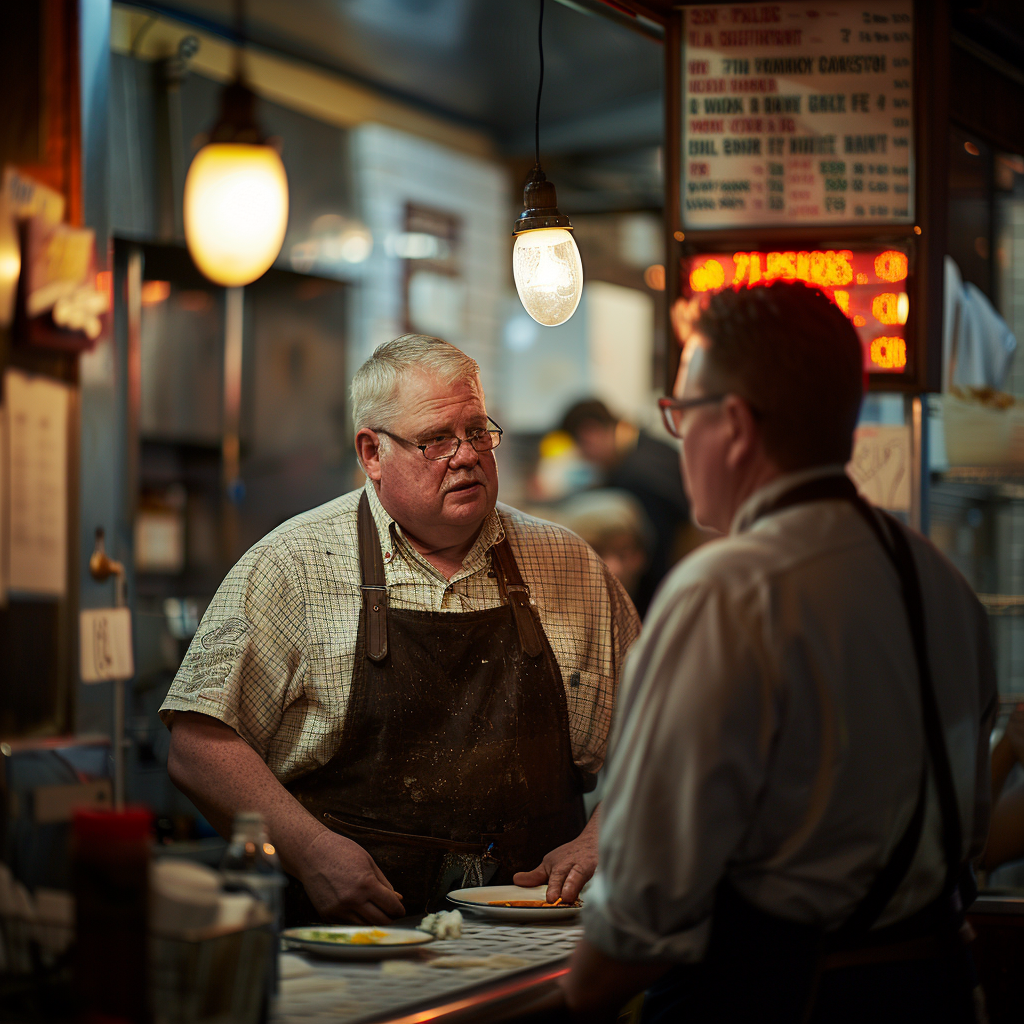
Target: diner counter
410,988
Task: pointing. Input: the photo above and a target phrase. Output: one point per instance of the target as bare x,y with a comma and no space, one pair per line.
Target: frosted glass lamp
546,262
236,196
236,211
548,272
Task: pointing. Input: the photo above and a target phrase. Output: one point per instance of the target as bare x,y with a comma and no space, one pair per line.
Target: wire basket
35,969
210,977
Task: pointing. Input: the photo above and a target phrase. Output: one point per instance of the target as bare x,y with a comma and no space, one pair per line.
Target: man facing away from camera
798,775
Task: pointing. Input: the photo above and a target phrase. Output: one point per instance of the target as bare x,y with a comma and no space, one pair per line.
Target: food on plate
368,938
532,903
446,924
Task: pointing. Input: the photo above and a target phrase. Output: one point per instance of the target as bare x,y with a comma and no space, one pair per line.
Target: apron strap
517,594
896,546
375,591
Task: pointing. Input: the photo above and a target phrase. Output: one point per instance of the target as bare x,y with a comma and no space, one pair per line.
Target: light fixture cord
239,39
540,84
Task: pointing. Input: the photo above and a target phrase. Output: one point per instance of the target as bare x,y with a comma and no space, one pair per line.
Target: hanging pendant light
546,263
236,192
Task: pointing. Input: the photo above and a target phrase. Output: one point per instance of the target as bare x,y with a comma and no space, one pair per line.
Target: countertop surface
321,989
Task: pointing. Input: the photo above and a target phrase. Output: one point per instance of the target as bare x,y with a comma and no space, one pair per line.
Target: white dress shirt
768,728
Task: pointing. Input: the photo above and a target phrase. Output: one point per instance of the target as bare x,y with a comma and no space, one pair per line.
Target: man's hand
567,869
213,766
597,985
344,883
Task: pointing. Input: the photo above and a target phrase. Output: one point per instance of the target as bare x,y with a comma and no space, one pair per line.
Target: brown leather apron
454,766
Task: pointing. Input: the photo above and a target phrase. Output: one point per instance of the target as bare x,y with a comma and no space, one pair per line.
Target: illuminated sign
797,113
869,286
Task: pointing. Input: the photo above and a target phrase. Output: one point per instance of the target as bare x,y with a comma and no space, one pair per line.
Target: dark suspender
895,544
517,594
375,591
513,589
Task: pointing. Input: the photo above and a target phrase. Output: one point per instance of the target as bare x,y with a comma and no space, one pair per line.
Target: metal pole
917,413
232,420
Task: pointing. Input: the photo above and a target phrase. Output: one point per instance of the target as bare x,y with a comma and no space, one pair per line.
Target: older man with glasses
412,683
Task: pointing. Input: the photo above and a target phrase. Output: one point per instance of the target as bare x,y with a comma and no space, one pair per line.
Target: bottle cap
248,826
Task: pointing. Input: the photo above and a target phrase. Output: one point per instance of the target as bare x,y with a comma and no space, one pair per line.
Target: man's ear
743,431
368,453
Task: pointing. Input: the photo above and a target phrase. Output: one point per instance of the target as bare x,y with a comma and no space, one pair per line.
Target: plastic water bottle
251,864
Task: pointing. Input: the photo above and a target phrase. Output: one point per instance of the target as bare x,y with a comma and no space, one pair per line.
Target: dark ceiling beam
257,38
625,15
988,97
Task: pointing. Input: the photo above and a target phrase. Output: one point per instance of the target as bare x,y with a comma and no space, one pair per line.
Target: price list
798,113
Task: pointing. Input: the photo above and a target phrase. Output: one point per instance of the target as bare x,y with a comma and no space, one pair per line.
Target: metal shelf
1009,474
1003,604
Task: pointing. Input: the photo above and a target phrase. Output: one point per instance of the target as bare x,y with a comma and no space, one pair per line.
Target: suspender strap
375,591
895,544
517,593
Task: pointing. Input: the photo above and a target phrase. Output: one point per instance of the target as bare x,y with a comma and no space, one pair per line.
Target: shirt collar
393,537
748,512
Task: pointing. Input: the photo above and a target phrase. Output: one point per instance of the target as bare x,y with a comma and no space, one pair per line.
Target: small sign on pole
106,644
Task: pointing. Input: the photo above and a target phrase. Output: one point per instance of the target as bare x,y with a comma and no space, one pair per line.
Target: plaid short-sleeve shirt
274,654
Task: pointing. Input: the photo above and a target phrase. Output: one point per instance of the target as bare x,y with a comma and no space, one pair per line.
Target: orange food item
531,903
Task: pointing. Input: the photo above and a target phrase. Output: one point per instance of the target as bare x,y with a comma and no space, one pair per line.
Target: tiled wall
391,168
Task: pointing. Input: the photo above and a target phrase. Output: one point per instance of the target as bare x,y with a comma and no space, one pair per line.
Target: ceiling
474,61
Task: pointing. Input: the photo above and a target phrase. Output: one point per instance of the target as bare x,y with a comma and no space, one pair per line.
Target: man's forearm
222,775
598,985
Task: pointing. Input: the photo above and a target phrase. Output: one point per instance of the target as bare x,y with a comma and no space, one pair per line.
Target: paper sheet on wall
37,466
4,540
881,466
105,644
20,196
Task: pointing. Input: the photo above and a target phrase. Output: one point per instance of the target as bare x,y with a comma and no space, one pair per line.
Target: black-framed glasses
672,409
445,446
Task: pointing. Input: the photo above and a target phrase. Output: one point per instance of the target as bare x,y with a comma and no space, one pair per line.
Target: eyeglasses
445,446
672,410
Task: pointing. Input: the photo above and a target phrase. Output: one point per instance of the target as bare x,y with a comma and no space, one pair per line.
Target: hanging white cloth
977,345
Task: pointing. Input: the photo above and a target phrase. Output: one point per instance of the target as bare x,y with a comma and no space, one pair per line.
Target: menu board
798,113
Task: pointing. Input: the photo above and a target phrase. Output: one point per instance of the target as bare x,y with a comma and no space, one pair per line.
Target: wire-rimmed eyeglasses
672,409
445,446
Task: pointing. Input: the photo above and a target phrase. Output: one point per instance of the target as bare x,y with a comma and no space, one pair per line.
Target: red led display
869,286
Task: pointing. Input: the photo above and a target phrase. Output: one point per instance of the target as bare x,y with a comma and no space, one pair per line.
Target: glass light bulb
236,211
548,272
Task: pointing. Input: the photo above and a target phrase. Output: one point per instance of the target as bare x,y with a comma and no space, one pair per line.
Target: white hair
375,387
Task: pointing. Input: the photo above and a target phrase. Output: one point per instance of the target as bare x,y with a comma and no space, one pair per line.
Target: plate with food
514,903
355,942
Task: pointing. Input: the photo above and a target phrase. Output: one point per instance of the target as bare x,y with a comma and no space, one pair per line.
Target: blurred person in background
615,525
631,459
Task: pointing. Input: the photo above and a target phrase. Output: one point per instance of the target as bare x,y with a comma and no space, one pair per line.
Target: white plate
391,941
478,899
